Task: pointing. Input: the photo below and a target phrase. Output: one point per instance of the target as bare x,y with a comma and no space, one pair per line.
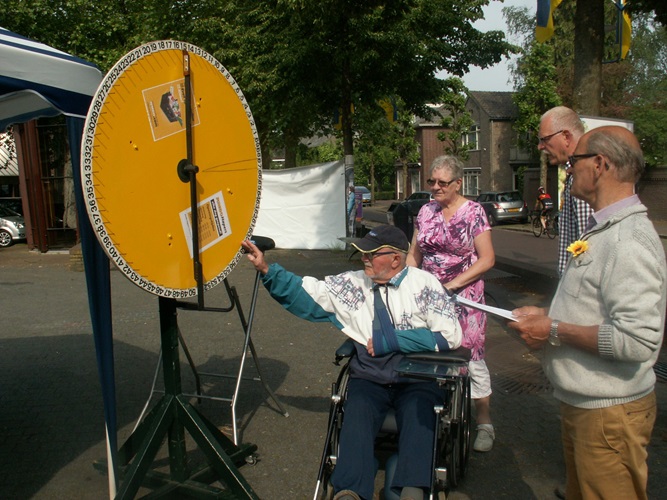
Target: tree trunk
263,133
372,174
405,178
291,145
588,53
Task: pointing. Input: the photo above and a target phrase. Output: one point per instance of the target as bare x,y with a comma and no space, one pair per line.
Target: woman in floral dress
452,240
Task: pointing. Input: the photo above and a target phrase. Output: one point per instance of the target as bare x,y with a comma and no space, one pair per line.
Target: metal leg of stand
248,345
172,416
247,326
193,368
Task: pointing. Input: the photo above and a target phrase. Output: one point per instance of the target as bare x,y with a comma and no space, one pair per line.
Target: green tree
631,89
296,61
380,48
658,8
330,150
647,87
404,145
457,119
375,143
535,96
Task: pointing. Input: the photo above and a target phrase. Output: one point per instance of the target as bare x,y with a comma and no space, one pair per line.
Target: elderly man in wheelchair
388,309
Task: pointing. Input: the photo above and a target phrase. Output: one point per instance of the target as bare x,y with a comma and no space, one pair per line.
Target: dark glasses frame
371,255
442,184
575,158
546,138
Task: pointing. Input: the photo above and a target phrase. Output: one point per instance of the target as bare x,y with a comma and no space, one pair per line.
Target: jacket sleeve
416,340
286,288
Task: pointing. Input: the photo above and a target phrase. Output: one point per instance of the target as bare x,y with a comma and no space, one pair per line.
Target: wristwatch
553,333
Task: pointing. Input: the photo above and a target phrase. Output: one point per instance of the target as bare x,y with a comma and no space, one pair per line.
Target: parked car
504,206
12,227
365,194
402,213
13,203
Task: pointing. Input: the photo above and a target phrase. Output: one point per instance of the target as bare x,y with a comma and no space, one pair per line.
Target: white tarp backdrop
304,207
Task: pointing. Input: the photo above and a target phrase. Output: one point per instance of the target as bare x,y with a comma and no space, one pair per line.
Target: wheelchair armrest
263,243
459,355
346,350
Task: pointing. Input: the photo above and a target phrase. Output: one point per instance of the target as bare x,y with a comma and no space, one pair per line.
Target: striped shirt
573,219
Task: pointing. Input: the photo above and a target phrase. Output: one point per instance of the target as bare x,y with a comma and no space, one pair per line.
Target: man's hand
369,347
255,256
532,324
529,311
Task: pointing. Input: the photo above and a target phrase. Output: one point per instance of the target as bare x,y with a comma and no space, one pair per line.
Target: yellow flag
626,32
545,21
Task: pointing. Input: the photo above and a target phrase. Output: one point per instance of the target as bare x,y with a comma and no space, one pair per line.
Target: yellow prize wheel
134,138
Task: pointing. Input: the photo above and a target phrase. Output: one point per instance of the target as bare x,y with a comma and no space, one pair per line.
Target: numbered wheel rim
134,139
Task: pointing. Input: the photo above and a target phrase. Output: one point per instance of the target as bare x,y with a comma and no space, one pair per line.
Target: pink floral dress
448,249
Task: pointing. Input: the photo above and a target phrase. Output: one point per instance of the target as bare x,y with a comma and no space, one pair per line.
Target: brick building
494,158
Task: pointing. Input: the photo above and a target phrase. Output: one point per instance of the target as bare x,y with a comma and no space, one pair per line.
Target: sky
495,77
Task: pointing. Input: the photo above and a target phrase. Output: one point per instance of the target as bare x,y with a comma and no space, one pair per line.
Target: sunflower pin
577,248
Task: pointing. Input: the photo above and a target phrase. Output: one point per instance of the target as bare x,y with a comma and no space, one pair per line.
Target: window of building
471,138
471,182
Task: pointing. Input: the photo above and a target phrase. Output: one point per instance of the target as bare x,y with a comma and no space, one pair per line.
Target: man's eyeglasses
371,255
442,184
575,158
545,139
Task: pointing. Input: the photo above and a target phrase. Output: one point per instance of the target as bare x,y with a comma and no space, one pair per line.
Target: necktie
383,329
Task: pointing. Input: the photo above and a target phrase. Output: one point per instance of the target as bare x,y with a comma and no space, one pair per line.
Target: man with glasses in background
605,326
387,309
560,131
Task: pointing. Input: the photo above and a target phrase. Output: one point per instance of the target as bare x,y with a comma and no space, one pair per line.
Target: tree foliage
658,8
457,120
406,148
632,89
537,93
297,61
374,145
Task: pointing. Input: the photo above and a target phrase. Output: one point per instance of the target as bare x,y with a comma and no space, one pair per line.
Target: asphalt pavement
51,422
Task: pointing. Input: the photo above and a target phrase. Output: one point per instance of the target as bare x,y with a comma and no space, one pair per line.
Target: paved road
51,424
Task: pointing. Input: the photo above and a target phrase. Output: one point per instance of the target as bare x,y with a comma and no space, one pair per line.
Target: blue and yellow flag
545,21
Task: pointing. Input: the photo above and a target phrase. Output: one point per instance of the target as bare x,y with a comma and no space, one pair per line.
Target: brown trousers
605,449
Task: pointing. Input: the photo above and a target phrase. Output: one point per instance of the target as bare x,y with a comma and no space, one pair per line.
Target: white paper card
504,313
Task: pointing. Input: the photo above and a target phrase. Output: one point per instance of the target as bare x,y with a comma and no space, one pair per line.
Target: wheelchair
451,447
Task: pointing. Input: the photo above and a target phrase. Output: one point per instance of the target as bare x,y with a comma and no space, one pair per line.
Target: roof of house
498,105
437,113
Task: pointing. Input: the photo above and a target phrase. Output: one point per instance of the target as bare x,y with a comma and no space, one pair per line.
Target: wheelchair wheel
465,439
456,438
324,488
452,459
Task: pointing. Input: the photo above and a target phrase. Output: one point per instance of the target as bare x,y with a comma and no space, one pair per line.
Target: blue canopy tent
37,81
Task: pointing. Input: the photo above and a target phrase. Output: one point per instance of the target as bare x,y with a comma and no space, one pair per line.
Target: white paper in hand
504,313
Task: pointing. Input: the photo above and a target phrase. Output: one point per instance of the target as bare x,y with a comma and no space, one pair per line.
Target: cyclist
545,204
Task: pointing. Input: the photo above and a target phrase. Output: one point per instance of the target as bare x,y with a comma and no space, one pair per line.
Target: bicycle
551,222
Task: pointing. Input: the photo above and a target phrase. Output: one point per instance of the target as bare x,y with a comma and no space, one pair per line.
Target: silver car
503,206
12,227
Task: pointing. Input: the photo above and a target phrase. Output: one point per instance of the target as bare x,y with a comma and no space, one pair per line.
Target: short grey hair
564,118
448,162
626,157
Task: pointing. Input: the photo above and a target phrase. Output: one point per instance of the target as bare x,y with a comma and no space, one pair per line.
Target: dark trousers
365,408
